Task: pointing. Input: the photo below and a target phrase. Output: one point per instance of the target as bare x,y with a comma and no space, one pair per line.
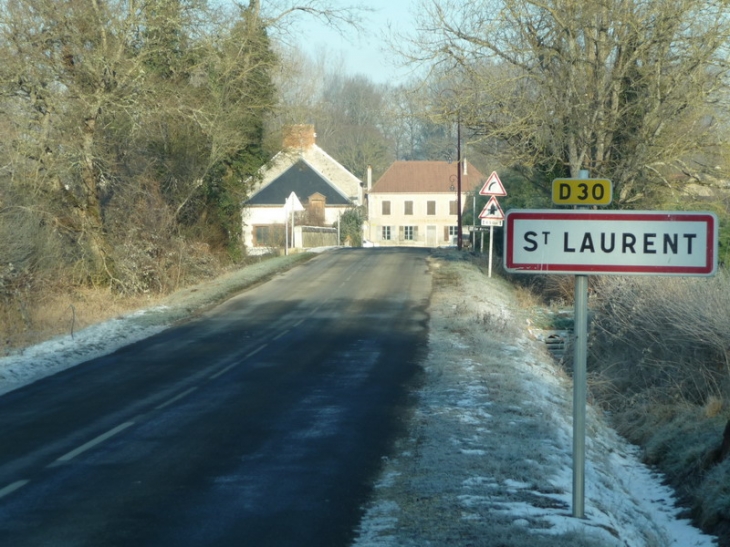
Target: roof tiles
426,177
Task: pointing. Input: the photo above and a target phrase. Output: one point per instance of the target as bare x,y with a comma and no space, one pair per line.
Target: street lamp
457,179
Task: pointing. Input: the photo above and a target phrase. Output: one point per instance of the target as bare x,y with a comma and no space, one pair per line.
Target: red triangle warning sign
493,186
492,210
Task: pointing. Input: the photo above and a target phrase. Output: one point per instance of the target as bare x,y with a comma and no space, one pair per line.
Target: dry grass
714,406
52,313
660,361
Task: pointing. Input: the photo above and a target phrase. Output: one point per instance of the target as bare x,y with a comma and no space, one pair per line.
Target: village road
261,423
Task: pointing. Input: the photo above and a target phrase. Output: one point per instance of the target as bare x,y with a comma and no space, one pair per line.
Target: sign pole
580,358
491,240
286,228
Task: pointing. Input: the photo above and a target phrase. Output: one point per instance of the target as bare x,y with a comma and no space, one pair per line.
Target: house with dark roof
323,186
415,203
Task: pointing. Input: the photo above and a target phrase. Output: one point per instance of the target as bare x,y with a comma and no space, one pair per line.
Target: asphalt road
261,423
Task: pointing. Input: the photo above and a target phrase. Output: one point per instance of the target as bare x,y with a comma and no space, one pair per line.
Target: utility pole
458,182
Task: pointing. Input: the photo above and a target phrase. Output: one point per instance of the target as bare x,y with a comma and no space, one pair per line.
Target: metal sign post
291,204
580,367
491,214
491,241
580,358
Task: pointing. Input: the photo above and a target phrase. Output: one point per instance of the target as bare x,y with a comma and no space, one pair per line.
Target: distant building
414,203
324,187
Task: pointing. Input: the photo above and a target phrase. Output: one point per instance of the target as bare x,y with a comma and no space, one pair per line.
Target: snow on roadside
488,460
36,362
33,363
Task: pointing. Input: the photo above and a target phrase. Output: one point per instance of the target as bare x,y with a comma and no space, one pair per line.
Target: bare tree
626,89
73,68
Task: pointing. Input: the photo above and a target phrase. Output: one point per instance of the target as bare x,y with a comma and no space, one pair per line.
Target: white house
414,203
324,187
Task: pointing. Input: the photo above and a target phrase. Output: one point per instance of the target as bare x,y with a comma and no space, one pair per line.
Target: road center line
229,367
9,489
254,352
92,443
176,398
281,334
222,371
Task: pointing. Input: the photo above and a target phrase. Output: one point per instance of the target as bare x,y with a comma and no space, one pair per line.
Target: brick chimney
299,136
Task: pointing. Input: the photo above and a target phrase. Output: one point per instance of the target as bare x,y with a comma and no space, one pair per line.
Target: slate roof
409,177
302,179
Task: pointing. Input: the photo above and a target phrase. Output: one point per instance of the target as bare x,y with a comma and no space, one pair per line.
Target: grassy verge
659,365
30,317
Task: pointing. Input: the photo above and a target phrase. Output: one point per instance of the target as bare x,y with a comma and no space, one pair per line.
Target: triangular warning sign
493,186
492,210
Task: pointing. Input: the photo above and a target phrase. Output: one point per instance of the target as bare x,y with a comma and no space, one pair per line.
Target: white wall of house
414,219
268,218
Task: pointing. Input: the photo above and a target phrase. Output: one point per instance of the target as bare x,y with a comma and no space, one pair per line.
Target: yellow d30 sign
582,191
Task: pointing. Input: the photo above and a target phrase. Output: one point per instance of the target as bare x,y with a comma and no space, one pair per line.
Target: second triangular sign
492,210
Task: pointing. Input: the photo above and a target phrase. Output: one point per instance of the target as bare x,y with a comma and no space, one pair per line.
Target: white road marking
281,334
92,443
254,352
229,367
176,398
9,489
222,371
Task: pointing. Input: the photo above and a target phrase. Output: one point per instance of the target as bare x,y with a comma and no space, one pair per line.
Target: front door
431,236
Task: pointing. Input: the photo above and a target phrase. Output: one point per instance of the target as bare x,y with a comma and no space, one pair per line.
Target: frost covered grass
660,363
488,460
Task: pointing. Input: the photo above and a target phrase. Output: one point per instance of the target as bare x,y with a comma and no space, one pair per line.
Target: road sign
292,203
582,191
493,186
491,222
611,242
492,210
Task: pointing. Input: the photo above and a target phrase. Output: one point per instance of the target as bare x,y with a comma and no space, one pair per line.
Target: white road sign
611,242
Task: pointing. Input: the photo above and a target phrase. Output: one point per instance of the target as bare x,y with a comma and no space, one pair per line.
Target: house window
386,208
453,209
430,207
408,208
268,236
453,230
386,233
408,233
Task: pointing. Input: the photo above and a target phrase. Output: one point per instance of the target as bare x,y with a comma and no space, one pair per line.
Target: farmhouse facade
322,185
415,203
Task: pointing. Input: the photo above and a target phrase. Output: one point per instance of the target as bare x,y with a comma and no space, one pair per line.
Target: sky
362,54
